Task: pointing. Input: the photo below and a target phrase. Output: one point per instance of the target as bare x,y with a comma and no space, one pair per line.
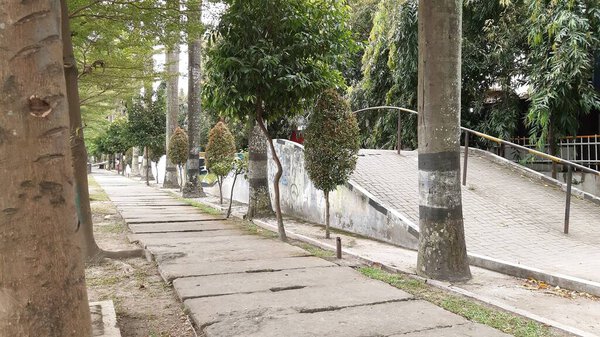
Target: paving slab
225,284
461,330
235,284
398,318
191,253
171,270
181,227
363,291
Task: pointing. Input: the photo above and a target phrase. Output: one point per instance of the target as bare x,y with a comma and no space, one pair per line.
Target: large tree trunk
90,249
193,188
172,60
442,249
259,205
280,227
42,282
135,162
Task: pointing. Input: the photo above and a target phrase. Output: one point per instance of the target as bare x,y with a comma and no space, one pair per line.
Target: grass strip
472,310
96,192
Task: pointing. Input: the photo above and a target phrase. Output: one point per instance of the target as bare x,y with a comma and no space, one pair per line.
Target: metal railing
584,150
569,164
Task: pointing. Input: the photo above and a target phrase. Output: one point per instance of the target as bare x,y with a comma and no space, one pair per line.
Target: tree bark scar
39,107
48,157
53,190
33,16
10,211
54,132
439,161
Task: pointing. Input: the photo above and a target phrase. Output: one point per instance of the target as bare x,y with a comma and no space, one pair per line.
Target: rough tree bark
258,174
135,161
261,124
42,282
193,188
146,168
172,60
442,249
90,249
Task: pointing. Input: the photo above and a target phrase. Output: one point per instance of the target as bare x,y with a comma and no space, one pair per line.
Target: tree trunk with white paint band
193,187
442,250
259,205
135,161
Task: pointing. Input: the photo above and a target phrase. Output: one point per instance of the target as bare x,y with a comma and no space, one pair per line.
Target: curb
104,319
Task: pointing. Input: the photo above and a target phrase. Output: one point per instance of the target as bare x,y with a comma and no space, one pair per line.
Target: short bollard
338,247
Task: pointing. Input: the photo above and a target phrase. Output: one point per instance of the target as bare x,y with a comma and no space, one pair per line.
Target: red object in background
297,137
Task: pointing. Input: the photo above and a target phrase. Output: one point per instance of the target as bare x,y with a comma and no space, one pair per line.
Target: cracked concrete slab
388,319
190,253
198,236
181,227
361,291
461,330
224,284
171,271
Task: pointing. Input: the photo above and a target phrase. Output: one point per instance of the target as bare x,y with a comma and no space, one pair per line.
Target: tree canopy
275,55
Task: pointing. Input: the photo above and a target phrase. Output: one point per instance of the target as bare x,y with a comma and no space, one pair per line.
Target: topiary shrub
331,145
220,153
178,150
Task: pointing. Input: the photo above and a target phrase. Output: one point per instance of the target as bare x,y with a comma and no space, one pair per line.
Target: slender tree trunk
442,250
172,60
135,162
231,195
42,282
280,227
258,175
220,181
552,146
147,167
193,188
90,249
327,234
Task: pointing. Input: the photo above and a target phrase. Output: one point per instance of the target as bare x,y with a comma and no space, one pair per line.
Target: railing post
568,205
399,135
466,158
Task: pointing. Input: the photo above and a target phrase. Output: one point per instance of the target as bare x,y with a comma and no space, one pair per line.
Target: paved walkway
507,216
237,284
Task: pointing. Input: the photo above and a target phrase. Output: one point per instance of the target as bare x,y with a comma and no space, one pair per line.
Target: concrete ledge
518,270
104,319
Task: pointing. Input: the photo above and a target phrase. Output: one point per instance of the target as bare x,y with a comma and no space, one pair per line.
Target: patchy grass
316,251
252,228
204,208
470,309
100,208
96,192
103,281
114,228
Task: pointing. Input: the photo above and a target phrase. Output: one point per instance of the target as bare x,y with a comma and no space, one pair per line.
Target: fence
583,150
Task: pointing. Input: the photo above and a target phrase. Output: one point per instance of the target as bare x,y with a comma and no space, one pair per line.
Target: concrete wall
353,209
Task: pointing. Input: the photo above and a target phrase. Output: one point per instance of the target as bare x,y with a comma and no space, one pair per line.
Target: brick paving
508,216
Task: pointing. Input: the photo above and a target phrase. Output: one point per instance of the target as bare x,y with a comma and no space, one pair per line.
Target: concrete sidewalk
236,284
